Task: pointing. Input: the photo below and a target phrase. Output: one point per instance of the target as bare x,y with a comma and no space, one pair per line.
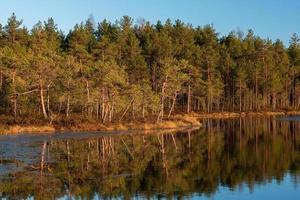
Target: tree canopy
112,71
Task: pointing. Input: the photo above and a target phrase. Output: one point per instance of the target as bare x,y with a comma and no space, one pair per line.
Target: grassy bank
225,115
176,122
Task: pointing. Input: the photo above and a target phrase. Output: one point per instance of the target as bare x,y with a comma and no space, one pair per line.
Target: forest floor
177,122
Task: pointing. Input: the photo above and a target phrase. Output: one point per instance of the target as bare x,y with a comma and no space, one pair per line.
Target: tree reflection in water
234,153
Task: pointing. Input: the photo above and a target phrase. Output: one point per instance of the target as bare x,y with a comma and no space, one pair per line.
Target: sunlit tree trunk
173,104
97,110
240,94
48,99
15,98
256,89
127,108
189,98
161,113
68,106
88,98
103,104
42,100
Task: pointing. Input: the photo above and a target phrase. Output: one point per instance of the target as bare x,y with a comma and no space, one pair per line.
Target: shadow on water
290,118
235,154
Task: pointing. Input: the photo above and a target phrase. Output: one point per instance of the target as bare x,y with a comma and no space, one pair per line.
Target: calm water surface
248,158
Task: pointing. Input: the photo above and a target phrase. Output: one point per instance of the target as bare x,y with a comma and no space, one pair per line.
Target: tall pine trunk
42,101
88,98
189,98
256,89
68,106
14,93
68,101
240,95
161,113
48,99
173,105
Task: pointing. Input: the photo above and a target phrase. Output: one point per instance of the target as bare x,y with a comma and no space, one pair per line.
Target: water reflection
236,154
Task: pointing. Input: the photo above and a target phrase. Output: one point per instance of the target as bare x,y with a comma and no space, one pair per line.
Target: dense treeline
115,71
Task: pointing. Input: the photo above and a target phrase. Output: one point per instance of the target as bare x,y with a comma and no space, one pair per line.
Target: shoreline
227,115
177,122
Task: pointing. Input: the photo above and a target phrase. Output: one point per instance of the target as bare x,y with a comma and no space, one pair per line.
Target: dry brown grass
178,121
220,115
175,122
227,115
274,113
293,113
15,129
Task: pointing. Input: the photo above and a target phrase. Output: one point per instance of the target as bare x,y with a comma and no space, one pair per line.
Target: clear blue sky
268,18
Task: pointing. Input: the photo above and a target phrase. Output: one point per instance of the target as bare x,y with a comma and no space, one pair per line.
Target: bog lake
241,158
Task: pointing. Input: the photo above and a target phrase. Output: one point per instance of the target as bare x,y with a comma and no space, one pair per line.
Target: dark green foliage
119,70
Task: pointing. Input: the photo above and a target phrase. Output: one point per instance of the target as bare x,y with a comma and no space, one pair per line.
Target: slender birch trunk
161,113
173,104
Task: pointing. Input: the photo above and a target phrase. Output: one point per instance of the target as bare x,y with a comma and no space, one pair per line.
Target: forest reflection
237,153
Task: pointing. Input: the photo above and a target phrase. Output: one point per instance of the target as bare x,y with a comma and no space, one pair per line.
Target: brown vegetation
176,122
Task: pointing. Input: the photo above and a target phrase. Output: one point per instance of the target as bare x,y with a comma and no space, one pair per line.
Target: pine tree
127,71
294,54
206,39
